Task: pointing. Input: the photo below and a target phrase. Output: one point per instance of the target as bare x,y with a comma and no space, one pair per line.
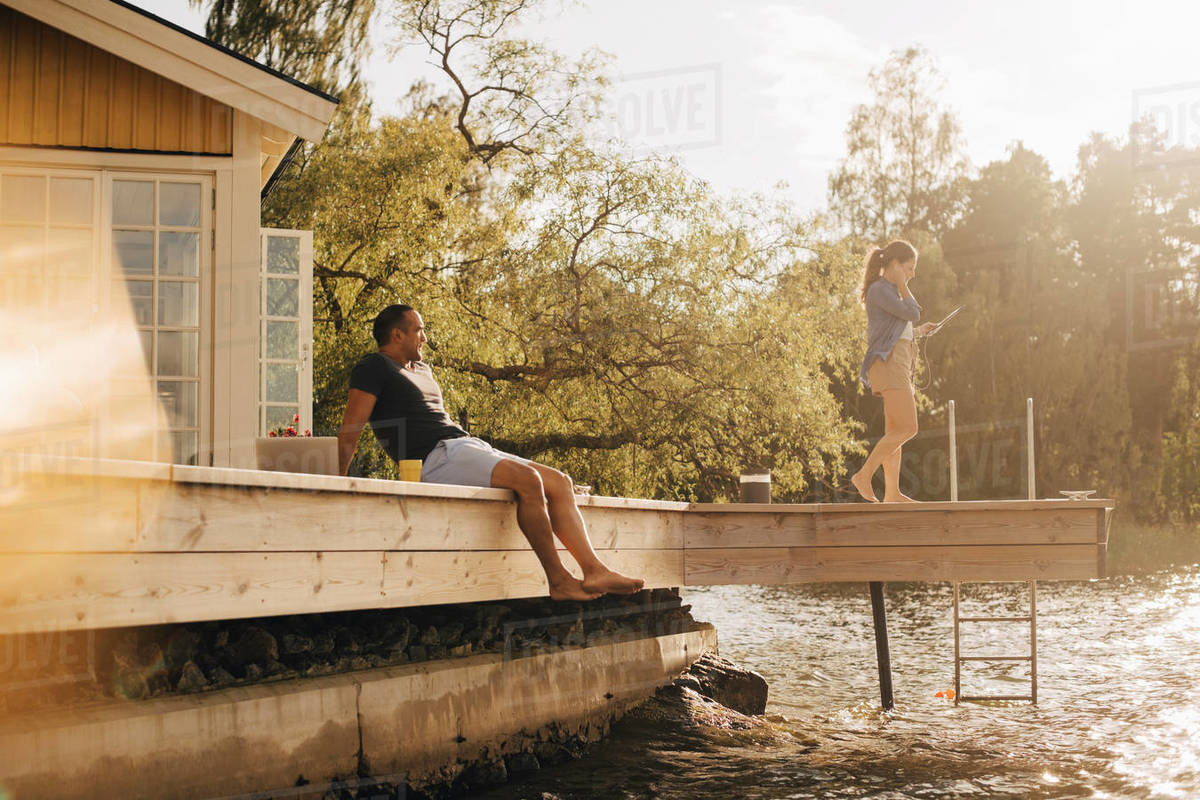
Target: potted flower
284,449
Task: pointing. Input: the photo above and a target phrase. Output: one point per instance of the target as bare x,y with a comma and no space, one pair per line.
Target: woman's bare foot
571,588
863,484
900,497
609,582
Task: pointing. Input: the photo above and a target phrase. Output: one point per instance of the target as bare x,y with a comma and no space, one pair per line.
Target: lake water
1118,713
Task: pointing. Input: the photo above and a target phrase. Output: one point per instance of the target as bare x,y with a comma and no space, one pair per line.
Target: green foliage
616,318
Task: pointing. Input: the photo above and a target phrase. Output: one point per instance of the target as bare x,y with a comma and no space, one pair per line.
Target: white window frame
204,279
304,362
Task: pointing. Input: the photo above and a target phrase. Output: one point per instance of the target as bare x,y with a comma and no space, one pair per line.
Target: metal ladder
1031,658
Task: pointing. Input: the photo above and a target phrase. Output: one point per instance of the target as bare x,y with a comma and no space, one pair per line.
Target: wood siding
62,92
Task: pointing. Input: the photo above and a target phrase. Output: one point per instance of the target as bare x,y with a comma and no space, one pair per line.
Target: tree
320,42
1131,225
904,162
604,313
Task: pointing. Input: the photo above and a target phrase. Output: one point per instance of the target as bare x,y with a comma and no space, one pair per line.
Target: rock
273,667
253,672
417,652
323,643
451,634
358,662
553,753
191,679
348,640
292,644
150,656
742,690
219,676
399,635
429,637
220,639
485,773
129,684
521,762
254,646
182,647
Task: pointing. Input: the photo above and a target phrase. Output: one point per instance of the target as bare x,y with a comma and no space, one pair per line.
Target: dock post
882,655
755,486
1032,473
953,457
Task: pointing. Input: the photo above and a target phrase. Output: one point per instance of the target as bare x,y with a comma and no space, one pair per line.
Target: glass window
283,340
133,252
71,201
138,296
283,254
178,353
69,253
133,202
179,204
21,249
158,247
178,304
282,386
185,445
178,400
23,198
283,297
179,254
281,416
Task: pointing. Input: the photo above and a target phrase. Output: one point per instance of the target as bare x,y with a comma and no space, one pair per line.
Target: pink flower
271,434
296,418
290,431
307,432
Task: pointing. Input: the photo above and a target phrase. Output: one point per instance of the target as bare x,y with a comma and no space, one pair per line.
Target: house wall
63,92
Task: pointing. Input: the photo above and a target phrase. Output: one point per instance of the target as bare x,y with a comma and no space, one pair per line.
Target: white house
133,159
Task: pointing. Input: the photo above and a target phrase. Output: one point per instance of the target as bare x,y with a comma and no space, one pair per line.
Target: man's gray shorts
466,461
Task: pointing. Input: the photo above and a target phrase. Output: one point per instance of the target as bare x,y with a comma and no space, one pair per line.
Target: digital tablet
949,317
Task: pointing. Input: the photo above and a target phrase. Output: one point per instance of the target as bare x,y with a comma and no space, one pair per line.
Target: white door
285,357
160,234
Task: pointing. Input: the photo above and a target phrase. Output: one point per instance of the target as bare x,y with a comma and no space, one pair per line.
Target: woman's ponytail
877,260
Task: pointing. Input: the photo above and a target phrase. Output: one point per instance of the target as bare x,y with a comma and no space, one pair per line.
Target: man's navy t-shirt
409,417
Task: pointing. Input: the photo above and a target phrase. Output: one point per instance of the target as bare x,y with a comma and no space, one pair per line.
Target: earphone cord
926,369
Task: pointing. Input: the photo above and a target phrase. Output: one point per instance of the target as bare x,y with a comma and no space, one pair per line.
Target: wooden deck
88,544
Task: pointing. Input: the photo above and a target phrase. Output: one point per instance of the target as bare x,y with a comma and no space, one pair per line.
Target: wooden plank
412,579
909,526
46,513
780,565
884,508
214,518
77,591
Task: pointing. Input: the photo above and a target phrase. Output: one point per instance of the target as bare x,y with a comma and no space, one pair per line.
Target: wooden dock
96,544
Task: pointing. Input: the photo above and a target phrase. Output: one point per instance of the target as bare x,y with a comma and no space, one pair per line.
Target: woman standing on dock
888,366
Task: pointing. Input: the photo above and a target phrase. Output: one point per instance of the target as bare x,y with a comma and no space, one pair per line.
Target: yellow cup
410,470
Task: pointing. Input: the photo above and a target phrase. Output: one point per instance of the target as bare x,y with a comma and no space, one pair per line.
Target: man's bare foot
863,484
571,588
609,582
900,497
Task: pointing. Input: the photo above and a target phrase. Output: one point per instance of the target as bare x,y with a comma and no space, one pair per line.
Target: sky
751,94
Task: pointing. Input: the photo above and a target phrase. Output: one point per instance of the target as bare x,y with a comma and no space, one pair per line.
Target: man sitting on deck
395,390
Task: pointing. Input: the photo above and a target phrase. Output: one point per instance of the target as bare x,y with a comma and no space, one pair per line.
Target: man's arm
358,410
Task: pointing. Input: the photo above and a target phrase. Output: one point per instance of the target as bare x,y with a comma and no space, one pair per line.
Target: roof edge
227,51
